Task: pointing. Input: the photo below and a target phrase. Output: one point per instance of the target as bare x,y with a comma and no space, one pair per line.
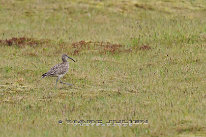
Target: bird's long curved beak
71,58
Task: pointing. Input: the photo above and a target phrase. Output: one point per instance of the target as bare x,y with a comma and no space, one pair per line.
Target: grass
135,60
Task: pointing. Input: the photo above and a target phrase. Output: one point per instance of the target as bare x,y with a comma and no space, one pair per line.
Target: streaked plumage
59,70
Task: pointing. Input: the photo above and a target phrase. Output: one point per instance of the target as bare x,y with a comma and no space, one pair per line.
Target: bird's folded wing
57,70
53,70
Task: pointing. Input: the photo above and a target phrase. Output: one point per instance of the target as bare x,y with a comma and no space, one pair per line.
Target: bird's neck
64,60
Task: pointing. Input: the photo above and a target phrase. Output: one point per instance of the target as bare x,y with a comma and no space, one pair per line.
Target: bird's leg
65,83
57,80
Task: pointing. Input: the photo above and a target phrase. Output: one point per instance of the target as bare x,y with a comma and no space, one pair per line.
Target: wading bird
59,70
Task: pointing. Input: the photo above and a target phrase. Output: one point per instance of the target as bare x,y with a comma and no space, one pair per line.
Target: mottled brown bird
59,70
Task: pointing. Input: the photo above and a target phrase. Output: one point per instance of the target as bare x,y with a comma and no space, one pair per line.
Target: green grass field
136,60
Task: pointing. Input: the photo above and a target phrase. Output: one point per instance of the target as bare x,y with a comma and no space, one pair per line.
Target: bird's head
65,57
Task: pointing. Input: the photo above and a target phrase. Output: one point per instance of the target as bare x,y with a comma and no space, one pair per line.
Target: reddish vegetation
75,48
22,41
145,47
102,47
79,44
109,47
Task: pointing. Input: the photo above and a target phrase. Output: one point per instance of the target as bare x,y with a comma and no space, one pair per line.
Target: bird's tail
44,75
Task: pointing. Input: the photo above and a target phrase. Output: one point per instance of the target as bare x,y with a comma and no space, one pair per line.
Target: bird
59,70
